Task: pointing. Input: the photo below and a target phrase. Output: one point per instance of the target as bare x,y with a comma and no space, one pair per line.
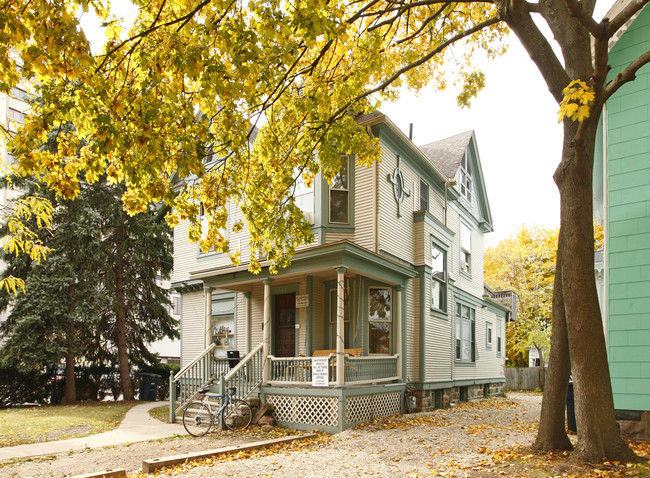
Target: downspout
376,232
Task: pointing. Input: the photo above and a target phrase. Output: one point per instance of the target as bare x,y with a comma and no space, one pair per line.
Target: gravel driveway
456,441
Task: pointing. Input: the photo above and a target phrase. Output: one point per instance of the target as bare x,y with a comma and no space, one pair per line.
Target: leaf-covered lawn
23,425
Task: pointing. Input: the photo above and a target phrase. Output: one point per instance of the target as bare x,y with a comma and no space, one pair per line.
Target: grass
24,425
160,413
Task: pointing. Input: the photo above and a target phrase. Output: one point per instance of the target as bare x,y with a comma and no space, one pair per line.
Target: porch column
398,328
340,325
207,335
266,348
247,344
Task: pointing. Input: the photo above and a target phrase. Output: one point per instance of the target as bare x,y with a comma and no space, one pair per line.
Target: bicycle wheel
197,419
237,415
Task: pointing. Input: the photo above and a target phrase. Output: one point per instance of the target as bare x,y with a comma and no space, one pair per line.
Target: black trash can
570,410
149,386
233,358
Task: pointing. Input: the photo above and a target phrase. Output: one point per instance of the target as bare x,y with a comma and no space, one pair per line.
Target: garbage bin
149,386
570,410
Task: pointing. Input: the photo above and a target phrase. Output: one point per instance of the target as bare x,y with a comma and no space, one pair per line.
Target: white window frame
424,195
465,350
341,189
440,281
489,334
465,249
466,177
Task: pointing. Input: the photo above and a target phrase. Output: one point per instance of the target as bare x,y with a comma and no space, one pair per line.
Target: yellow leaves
575,104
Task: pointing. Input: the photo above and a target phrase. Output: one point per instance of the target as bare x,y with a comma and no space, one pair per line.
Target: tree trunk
551,434
598,436
70,390
122,352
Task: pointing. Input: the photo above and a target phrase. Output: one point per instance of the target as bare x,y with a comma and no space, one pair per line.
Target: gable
457,157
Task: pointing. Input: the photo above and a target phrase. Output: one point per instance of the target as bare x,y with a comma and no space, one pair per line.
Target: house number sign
399,191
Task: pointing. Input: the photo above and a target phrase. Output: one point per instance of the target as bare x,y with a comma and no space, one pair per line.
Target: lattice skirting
364,408
319,411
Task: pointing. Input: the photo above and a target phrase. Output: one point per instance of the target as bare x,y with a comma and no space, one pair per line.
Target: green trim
437,385
488,345
338,254
309,326
279,290
188,286
405,354
414,158
422,271
438,227
466,297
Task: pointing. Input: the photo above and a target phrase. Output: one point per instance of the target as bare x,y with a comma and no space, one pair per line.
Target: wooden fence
524,378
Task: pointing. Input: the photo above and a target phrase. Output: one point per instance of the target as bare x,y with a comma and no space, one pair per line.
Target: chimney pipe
411,131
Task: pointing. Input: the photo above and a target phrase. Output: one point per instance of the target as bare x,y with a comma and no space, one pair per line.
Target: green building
622,204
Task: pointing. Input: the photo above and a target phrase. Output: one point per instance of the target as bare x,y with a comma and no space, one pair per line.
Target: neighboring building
13,108
622,204
391,291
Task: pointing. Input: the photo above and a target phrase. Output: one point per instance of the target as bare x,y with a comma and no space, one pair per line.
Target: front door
285,325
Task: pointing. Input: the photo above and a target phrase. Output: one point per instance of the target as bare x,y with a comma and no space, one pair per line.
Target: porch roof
320,260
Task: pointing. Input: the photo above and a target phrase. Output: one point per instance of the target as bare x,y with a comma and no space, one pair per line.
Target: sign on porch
319,371
302,301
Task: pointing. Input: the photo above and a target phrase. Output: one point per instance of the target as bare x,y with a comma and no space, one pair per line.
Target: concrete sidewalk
137,425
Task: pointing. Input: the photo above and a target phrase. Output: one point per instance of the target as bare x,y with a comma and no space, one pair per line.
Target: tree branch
517,17
627,75
622,17
578,12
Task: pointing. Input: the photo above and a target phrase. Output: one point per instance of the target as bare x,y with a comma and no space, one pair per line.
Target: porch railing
206,370
247,375
358,370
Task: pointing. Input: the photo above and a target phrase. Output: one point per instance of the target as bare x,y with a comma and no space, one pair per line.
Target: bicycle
199,416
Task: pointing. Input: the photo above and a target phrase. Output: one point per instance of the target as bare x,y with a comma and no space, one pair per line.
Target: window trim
443,282
459,321
489,335
383,321
465,256
424,207
499,338
204,223
346,190
465,183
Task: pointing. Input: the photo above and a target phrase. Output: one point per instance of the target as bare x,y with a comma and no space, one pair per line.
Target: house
389,294
622,205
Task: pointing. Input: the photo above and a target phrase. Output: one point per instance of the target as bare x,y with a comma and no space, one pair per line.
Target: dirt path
457,441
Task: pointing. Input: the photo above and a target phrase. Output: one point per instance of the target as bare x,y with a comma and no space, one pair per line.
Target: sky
519,138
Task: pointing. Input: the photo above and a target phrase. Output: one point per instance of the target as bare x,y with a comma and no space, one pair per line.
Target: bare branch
627,75
517,17
415,64
621,18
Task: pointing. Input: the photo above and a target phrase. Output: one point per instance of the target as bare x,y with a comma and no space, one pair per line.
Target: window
15,115
380,320
204,230
347,332
488,335
223,322
466,177
465,248
339,194
176,305
424,196
304,197
438,278
498,338
465,333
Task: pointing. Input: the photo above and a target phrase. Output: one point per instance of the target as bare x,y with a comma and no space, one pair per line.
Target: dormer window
466,178
339,194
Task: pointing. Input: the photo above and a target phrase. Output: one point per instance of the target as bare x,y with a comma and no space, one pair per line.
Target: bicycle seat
232,390
204,391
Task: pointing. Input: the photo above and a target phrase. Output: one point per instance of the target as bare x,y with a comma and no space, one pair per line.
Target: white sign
302,301
320,371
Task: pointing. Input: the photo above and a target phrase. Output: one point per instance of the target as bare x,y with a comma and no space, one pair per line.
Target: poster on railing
320,371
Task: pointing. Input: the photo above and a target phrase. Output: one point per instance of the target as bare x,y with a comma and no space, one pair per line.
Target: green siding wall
628,224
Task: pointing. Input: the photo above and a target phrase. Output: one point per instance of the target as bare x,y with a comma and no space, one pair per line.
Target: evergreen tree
95,299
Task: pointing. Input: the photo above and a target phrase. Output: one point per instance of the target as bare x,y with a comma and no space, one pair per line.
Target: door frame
280,290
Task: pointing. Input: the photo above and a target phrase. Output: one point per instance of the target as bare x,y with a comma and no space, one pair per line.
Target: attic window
466,178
